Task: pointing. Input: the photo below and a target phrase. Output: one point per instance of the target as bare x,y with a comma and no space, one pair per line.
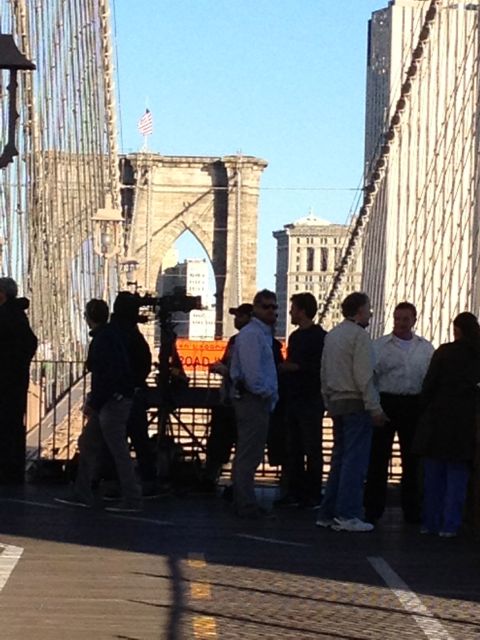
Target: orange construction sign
199,354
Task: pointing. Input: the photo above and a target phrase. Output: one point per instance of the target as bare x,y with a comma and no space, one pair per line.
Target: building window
310,258
338,257
324,259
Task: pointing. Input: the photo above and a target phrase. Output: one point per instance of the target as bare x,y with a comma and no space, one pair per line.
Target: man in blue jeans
353,402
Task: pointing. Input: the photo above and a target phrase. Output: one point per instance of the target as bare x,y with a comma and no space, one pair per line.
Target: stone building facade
308,252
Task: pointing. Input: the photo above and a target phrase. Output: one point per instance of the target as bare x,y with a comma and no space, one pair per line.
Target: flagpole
145,127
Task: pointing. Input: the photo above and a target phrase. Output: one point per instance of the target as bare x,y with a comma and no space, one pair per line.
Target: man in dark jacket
107,408
17,348
125,317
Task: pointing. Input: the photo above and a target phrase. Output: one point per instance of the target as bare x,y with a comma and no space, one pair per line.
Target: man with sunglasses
255,394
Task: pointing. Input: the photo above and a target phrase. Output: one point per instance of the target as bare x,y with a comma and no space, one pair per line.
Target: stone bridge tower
216,199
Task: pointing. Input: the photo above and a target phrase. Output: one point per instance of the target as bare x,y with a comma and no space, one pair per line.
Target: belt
121,396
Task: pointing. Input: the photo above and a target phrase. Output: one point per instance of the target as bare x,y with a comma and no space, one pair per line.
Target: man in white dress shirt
401,362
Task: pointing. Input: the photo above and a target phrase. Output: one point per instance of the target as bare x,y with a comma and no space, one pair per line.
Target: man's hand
288,367
218,367
378,419
87,410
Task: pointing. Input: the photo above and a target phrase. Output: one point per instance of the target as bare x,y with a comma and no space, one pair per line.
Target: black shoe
286,501
411,518
125,507
73,501
372,519
206,486
228,493
255,513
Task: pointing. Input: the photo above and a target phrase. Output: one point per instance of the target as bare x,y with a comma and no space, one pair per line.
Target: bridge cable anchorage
67,138
111,114
442,196
395,88
379,166
448,189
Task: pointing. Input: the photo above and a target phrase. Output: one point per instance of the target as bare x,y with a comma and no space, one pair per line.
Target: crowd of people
396,385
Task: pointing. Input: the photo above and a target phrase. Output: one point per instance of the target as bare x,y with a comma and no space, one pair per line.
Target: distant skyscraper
308,252
422,242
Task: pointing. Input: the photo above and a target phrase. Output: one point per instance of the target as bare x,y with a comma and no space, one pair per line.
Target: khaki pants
109,426
252,416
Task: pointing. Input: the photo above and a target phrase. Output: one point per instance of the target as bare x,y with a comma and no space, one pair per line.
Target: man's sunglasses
269,306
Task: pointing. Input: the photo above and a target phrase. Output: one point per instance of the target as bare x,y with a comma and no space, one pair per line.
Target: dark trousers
304,450
402,413
222,437
12,435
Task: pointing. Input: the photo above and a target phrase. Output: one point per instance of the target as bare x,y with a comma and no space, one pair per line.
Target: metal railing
54,418
55,397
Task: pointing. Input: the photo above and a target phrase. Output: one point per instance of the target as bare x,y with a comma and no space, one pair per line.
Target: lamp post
129,268
12,60
107,237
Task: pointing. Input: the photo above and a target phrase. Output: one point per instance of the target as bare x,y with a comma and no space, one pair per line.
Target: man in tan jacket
353,402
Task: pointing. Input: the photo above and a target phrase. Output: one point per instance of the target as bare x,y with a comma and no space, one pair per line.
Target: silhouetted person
125,317
17,348
107,408
304,404
223,431
446,430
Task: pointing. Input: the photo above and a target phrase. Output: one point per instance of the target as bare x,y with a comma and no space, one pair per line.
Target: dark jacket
305,348
450,395
109,363
18,344
137,347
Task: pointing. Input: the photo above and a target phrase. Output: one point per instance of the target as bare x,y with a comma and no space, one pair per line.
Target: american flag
145,124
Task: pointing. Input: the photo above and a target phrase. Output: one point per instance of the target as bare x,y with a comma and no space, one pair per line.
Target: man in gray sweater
353,402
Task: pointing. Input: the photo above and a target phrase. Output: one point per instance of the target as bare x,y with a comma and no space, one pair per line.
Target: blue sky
283,80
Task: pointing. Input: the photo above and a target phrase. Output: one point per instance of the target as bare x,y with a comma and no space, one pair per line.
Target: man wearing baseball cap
223,431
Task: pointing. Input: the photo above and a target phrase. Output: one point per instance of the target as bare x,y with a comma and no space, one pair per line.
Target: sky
283,80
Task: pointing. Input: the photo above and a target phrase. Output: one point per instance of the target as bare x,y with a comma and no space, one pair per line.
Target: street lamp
107,236
12,60
129,268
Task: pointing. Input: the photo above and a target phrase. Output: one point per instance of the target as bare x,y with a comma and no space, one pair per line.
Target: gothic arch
215,199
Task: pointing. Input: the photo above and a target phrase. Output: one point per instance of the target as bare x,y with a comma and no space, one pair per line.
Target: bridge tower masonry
216,199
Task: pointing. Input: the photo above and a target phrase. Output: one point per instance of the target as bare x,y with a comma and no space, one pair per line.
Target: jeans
352,435
445,490
108,425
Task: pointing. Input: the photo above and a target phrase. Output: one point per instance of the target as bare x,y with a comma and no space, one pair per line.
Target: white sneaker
326,523
351,524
